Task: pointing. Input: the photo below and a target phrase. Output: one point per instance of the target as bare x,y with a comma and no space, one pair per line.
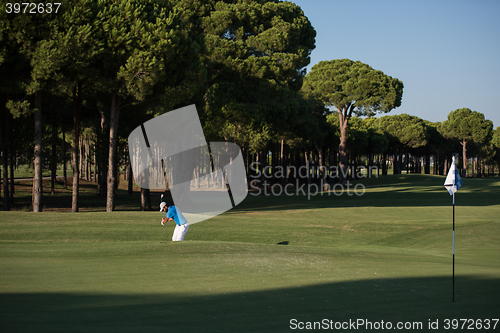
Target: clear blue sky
447,53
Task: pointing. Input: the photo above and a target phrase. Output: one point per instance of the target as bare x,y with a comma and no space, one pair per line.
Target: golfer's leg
177,233
184,229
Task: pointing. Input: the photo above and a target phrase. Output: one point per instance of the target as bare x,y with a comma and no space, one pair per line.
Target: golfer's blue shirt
174,213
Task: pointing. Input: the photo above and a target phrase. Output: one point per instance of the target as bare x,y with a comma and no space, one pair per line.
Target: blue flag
453,180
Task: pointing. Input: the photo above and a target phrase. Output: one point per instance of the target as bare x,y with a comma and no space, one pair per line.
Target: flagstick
453,288
452,184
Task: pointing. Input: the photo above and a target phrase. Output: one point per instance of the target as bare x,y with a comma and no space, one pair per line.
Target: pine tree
466,125
352,88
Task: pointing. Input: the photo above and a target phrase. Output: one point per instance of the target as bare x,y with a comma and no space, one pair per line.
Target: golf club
161,200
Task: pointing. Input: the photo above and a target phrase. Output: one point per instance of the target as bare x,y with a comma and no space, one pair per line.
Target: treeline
398,143
75,83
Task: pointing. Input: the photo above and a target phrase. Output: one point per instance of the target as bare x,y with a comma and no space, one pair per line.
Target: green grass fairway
383,256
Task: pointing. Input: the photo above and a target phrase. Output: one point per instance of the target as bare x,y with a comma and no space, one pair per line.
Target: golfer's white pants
180,232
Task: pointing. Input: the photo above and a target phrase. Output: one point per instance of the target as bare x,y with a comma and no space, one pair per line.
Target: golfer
174,214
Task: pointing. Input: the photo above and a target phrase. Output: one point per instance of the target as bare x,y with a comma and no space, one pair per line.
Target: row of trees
94,71
401,142
102,58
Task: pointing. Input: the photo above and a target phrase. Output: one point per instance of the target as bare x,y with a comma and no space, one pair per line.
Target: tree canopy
466,125
256,53
353,87
350,87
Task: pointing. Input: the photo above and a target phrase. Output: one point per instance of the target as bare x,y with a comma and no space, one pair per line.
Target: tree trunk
261,163
370,162
384,164
407,159
80,142
37,179
83,157
343,147
113,139
4,136
86,163
378,165
53,158
322,171
479,169
64,160
273,164
89,159
307,162
436,163
282,162
441,165
117,171
354,166
130,178
94,156
77,101
427,167
464,157
413,163
11,183
103,148
145,199
395,162
400,161
331,163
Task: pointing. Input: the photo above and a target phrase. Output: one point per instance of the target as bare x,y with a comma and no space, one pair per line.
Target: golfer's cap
162,205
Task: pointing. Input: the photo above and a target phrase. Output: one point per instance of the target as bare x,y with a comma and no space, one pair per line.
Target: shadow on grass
411,190
388,191
390,300
88,197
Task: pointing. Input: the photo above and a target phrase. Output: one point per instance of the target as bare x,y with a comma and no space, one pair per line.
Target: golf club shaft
161,200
